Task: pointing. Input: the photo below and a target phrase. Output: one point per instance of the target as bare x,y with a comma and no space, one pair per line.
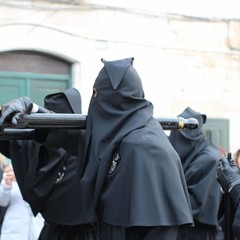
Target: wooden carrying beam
25,128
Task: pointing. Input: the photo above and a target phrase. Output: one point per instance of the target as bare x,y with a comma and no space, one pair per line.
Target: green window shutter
36,86
218,131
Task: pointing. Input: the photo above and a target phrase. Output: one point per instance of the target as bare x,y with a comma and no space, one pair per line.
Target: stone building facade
186,55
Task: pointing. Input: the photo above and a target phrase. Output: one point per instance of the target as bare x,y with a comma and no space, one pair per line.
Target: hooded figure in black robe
131,175
131,179
49,178
200,158
229,177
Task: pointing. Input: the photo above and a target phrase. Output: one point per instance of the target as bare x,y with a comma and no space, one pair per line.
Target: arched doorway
32,73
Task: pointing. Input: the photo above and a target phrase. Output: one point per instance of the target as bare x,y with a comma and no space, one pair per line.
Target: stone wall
185,57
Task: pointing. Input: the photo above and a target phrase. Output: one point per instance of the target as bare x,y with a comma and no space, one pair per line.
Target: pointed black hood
117,108
200,157
40,175
68,101
185,140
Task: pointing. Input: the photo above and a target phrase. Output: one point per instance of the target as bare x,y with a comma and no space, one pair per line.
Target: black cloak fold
131,173
49,178
200,159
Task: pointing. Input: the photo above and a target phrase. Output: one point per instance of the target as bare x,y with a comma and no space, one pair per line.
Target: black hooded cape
200,159
131,175
49,178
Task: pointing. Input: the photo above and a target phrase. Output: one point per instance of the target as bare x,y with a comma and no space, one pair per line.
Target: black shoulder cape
141,189
200,159
49,178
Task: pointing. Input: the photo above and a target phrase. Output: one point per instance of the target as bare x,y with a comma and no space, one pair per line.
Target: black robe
235,201
200,159
49,178
128,160
230,211
131,177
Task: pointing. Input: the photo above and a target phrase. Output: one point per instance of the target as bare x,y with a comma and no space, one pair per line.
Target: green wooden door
11,88
32,73
36,86
40,86
218,131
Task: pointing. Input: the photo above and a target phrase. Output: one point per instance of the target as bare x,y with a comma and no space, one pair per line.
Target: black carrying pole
228,218
25,128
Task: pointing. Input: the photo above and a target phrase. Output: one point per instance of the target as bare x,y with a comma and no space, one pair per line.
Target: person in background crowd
228,175
49,178
200,159
237,158
3,164
18,222
126,153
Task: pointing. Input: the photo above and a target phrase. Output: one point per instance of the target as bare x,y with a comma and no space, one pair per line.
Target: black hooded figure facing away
131,170
49,178
132,179
200,158
228,174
